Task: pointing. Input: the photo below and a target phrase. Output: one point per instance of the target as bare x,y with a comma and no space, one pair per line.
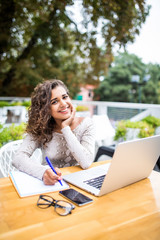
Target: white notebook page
27,185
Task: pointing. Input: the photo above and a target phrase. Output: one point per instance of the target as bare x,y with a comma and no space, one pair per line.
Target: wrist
66,128
64,125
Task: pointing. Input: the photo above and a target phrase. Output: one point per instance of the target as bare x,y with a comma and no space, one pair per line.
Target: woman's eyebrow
53,99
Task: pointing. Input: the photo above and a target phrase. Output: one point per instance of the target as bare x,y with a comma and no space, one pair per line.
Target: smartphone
76,197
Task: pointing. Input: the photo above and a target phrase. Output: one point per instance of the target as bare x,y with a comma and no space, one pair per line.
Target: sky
147,43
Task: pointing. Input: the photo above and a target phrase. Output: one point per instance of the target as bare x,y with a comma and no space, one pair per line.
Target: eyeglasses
61,207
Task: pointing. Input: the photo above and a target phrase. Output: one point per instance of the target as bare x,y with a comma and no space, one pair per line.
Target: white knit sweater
69,148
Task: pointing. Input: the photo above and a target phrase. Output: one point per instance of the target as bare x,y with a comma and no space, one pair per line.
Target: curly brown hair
40,122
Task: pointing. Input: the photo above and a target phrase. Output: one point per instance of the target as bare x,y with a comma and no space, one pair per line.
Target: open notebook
132,161
27,185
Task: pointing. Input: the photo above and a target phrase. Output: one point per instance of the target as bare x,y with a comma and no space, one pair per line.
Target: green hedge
11,133
6,104
81,108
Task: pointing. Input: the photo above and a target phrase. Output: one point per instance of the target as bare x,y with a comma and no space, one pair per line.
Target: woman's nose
62,102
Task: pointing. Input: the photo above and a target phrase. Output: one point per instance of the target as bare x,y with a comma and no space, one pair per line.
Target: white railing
101,107
115,110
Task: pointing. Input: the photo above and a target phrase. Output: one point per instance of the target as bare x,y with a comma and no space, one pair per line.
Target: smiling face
60,104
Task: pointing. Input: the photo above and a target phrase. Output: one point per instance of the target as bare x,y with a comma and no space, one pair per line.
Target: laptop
132,161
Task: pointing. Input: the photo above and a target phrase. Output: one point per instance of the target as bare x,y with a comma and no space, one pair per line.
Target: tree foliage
118,85
40,40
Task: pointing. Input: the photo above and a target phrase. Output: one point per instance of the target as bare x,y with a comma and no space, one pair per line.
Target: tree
151,90
37,36
40,40
118,85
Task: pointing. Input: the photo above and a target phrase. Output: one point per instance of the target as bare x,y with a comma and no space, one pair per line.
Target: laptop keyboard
96,182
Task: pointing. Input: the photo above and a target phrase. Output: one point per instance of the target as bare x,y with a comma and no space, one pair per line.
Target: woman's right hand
50,178
68,121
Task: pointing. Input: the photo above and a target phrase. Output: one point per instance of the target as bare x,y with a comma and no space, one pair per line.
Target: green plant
12,133
146,129
81,108
26,103
16,104
4,104
153,121
121,131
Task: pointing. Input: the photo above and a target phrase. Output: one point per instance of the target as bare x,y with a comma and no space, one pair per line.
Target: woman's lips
64,111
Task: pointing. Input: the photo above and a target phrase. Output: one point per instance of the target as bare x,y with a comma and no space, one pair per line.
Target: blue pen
50,164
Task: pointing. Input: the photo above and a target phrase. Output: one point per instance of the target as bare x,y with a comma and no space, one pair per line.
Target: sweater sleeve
83,150
22,159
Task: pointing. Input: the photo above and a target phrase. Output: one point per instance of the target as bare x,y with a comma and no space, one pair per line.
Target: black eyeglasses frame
54,203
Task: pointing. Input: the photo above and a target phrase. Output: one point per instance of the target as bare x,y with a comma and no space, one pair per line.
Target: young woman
65,139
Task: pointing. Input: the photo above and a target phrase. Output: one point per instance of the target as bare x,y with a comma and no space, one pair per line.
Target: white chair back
104,130
6,155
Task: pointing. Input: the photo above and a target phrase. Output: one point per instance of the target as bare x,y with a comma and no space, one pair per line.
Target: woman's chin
65,116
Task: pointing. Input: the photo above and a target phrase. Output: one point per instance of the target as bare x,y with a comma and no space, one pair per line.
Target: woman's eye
53,102
65,97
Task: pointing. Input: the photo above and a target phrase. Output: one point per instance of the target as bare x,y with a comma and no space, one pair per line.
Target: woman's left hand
68,121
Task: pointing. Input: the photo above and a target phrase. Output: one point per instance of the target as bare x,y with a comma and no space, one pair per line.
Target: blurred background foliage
118,86
41,40
11,133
